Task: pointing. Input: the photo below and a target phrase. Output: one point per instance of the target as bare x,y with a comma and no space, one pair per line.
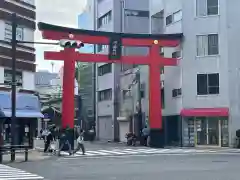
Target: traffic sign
46,117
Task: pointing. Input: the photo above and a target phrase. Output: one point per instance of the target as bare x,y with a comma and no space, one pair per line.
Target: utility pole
13,118
94,81
138,79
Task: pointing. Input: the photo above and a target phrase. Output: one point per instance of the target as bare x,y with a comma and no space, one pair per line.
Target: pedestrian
41,134
64,140
53,131
48,140
145,134
80,144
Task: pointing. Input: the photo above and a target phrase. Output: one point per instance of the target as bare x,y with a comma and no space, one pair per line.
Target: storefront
205,127
27,114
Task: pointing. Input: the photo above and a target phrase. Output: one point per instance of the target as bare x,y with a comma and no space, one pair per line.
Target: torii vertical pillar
155,107
68,107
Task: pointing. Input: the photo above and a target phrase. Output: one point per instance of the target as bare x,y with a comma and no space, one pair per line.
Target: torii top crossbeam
153,59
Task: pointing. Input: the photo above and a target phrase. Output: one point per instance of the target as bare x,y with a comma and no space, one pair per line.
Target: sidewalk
20,157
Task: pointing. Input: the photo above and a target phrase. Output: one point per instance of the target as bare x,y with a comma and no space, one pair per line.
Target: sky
59,12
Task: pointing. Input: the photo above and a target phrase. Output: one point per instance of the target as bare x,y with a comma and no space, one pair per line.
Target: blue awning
27,105
22,114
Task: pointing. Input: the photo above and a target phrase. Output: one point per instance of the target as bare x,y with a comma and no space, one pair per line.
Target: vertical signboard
115,48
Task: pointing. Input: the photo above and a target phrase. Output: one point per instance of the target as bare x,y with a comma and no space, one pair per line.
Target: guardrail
12,149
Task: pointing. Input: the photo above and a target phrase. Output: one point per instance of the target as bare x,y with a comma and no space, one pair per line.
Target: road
154,166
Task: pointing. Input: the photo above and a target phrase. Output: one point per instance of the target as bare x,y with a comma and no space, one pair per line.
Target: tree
79,72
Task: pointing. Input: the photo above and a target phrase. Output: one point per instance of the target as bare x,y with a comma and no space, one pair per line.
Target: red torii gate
153,59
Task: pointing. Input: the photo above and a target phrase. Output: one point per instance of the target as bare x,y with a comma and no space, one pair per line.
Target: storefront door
207,132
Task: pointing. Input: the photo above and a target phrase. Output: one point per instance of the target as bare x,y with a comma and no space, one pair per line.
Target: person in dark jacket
64,139
48,140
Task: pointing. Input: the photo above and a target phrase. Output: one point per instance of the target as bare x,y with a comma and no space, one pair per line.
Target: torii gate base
153,59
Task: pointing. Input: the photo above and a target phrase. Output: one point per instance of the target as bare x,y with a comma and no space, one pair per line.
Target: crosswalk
9,173
138,151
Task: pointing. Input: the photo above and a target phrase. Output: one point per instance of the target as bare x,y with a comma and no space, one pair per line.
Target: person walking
48,140
80,144
145,134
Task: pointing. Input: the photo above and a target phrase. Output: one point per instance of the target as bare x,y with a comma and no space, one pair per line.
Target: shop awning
209,112
22,114
27,105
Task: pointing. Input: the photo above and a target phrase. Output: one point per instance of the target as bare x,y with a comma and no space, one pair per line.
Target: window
212,7
104,69
8,32
105,95
207,7
8,77
177,16
207,45
137,13
105,19
169,19
176,92
101,47
207,84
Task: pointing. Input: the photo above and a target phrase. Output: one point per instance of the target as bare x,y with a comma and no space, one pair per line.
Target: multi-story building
115,16
86,71
25,64
44,83
201,93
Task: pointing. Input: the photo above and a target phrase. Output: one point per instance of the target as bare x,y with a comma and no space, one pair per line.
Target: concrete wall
230,44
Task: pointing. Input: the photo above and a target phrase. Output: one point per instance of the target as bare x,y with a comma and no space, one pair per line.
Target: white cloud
59,12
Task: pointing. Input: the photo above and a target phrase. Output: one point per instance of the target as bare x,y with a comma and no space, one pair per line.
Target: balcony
157,23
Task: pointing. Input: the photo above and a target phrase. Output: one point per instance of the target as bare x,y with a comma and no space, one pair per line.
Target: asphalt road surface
150,167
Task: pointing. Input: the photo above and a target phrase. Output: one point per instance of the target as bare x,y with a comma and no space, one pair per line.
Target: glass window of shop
205,131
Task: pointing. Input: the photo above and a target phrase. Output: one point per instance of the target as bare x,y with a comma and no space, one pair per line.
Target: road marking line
112,152
149,155
92,153
128,151
9,173
143,151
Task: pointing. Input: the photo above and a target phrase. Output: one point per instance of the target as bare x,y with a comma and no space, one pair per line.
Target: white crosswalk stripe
9,173
139,151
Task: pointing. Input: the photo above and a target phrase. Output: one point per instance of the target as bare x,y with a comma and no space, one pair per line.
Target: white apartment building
25,10
202,93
